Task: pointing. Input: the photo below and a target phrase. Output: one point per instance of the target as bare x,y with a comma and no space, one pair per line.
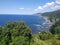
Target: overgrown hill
54,14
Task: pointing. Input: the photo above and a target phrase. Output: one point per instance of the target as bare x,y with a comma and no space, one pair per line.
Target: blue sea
33,21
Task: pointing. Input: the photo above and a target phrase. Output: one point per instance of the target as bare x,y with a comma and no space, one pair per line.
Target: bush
44,35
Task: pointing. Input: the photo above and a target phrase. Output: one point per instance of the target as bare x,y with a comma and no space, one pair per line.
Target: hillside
18,33
54,14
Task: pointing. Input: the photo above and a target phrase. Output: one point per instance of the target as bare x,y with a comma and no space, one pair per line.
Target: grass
37,41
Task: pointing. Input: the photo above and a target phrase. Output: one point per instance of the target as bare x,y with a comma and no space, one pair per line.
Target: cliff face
52,16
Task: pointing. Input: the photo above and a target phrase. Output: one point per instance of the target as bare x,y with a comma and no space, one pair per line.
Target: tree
15,33
44,35
0,33
55,28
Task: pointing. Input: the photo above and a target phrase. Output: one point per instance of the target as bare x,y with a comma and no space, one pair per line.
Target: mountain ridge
53,14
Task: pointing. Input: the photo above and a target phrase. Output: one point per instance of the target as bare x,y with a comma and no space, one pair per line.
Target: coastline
47,20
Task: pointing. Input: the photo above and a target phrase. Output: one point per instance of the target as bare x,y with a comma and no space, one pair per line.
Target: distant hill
51,16
54,14
37,14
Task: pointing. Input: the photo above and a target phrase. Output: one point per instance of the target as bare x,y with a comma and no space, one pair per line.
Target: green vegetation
54,14
15,33
18,33
55,28
44,35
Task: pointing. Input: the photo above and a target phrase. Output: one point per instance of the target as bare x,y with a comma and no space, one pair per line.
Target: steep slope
54,14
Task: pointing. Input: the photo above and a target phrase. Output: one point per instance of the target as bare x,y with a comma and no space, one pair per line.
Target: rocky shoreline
48,21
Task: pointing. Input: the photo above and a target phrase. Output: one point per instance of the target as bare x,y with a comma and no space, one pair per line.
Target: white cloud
39,8
57,1
21,8
49,6
57,7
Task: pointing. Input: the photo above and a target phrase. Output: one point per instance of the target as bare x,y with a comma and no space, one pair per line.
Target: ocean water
33,21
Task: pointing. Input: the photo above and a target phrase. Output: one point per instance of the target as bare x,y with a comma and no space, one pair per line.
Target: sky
28,6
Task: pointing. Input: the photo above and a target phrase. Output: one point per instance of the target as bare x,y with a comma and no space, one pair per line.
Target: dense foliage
55,28
18,33
44,35
15,33
54,14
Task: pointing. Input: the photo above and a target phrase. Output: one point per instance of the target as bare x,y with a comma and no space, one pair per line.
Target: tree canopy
15,33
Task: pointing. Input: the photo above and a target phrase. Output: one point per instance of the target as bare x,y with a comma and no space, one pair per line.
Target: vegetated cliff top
53,14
